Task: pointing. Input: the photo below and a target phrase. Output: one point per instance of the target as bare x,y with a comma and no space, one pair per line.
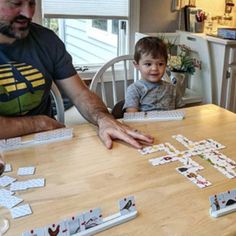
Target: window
94,31
100,24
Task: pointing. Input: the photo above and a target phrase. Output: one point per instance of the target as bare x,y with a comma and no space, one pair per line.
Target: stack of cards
54,135
38,138
223,203
89,222
10,144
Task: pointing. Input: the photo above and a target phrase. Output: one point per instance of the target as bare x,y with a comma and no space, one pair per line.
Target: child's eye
147,64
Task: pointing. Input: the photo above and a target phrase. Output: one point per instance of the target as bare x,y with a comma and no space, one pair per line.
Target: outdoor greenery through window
100,24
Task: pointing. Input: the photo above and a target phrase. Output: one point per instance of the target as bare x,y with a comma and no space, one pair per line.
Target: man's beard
9,31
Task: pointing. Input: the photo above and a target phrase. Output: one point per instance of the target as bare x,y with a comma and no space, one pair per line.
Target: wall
156,15
219,8
38,13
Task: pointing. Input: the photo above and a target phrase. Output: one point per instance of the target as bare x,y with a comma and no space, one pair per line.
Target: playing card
64,228
92,218
10,201
6,180
7,168
74,224
26,170
215,206
190,172
81,222
233,195
151,149
18,185
199,180
215,144
190,163
35,183
228,172
21,211
35,232
221,200
183,140
5,193
184,170
162,160
58,229
170,149
127,205
228,198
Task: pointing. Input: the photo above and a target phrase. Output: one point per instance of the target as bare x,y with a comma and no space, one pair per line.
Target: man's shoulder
41,31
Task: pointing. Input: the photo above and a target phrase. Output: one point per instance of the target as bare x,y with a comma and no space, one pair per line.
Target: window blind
85,8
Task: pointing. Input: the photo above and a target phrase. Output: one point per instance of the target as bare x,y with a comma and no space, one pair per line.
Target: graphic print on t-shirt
21,88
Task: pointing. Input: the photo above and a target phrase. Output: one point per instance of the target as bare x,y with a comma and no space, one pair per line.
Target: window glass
100,24
89,41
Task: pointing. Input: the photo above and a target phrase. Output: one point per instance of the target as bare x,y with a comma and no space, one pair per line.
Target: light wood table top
82,174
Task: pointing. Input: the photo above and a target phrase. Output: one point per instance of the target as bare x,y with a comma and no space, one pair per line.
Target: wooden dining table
81,174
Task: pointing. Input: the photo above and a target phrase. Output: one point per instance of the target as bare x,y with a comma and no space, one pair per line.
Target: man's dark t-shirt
27,69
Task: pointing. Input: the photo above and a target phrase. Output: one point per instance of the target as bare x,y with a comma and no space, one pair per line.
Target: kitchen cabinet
223,62
215,82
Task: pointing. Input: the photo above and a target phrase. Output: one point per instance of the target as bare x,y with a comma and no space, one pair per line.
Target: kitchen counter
210,38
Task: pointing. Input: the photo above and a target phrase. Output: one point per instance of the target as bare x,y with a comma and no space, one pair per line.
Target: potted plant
180,63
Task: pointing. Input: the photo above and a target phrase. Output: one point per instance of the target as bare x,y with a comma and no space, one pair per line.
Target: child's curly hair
150,45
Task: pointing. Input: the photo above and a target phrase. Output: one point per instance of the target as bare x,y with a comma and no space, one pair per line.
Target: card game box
227,33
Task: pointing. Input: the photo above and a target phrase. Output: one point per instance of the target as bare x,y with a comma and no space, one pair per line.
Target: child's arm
131,109
132,99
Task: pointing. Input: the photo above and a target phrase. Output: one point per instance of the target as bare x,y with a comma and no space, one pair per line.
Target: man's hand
94,110
110,129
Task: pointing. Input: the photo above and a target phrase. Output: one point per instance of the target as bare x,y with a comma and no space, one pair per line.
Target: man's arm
18,126
94,110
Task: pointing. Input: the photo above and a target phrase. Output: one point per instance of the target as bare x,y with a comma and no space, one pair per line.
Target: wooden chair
120,72
58,101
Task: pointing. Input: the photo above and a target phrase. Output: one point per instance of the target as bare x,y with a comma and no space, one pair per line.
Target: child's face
151,69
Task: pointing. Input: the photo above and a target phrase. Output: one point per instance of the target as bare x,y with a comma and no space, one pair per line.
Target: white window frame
106,36
133,19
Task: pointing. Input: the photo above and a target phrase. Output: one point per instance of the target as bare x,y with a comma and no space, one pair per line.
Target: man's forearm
87,102
91,107
18,126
